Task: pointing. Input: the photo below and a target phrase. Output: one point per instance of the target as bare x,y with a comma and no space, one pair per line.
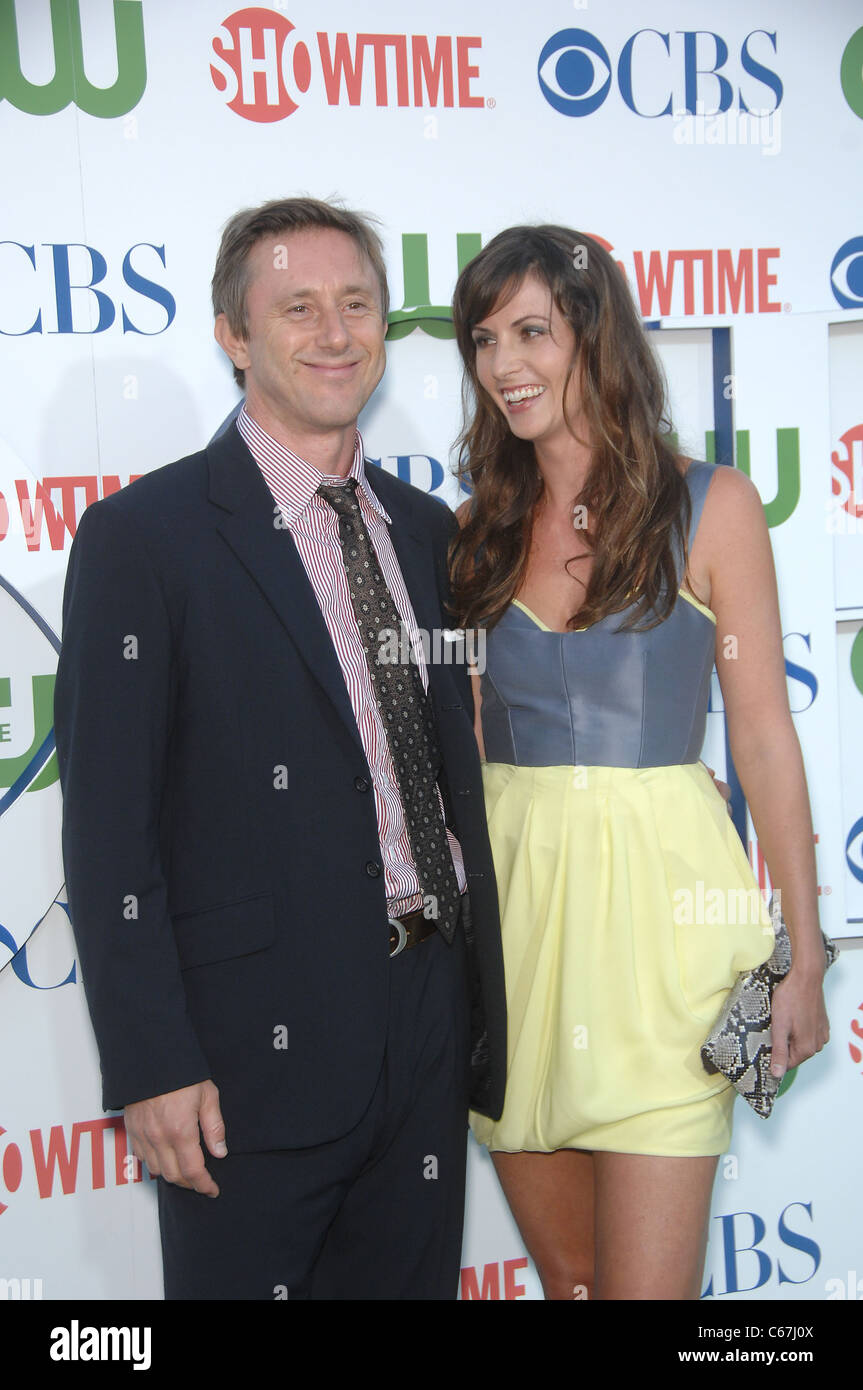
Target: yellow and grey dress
628,905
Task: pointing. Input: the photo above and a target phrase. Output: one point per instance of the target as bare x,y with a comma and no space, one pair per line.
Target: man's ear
231,342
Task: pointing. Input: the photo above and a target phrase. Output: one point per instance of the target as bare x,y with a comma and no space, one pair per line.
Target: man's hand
164,1134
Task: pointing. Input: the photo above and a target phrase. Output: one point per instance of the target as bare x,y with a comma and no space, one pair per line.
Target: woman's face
524,351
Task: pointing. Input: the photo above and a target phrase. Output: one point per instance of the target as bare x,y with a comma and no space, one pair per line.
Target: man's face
314,350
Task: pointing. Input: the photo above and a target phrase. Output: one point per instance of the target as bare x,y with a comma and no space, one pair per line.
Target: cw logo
418,310
787,496
851,73
41,752
30,805
69,83
857,677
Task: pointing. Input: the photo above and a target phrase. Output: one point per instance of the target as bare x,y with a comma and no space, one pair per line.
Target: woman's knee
567,1282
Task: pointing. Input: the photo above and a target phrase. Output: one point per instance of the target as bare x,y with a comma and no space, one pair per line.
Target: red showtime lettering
490,1290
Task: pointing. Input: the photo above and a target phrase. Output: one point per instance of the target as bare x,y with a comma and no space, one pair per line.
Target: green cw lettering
787,470
69,83
857,661
43,722
418,310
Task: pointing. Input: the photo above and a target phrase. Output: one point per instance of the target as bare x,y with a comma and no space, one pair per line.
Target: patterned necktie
404,707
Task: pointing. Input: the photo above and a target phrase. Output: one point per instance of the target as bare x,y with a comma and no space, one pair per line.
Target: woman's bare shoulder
731,497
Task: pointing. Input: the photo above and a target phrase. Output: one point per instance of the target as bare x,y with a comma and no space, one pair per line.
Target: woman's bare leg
551,1197
611,1226
651,1225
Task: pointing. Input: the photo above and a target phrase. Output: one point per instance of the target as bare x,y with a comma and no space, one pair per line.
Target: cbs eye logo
846,274
854,851
574,72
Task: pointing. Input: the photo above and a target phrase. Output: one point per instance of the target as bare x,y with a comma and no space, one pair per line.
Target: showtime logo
487,1283
58,1156
263,68
855,1049
702,281
55,507
847,473
705,281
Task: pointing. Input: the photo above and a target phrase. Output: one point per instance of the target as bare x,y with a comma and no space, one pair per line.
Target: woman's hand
722,787
799,1025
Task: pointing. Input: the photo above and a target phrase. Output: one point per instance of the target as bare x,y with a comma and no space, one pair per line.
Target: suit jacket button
373,869
361,784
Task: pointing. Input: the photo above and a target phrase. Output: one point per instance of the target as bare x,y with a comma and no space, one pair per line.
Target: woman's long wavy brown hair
636,498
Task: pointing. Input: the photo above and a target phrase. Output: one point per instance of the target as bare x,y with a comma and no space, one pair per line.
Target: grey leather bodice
601,697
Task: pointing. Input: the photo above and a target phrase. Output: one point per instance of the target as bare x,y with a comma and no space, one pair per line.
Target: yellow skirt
628,907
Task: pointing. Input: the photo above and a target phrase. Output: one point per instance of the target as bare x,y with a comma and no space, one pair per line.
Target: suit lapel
416,559
268,552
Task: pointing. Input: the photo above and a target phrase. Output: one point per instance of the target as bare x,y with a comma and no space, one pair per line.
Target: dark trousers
376,1214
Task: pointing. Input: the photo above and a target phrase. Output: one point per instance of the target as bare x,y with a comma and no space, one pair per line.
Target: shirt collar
294,482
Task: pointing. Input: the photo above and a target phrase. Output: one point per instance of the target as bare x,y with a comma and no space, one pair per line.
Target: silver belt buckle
403,936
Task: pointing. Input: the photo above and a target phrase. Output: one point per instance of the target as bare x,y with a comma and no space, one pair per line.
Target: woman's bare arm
735,547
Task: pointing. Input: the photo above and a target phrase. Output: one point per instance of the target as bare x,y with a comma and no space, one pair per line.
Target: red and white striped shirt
314,528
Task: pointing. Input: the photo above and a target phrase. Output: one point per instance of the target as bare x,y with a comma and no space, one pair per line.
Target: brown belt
409,931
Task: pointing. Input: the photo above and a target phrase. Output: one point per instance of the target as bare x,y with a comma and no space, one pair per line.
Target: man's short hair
279,216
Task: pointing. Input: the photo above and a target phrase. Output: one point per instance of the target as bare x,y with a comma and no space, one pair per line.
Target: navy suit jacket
223,867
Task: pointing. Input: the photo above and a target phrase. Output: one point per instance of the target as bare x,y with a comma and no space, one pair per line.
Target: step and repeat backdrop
716,150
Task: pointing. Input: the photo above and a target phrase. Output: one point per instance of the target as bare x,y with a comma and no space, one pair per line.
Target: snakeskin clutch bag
739,1044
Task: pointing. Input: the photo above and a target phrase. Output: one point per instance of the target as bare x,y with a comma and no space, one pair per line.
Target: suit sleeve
446,529
114,703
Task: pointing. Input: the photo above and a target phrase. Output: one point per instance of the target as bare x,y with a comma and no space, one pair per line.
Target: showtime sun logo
857,1029
257,64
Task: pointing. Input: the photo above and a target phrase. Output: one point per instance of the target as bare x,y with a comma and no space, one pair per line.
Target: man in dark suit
277,863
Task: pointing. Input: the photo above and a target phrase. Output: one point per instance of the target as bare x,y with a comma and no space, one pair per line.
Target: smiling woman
524,353
550,339
584,530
